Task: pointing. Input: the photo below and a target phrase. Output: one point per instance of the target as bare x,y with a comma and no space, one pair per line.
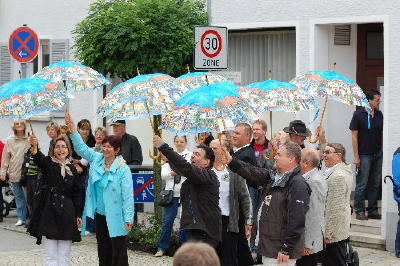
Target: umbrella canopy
210,108
128,100
77,77
332,85
273,95
194,80
21,99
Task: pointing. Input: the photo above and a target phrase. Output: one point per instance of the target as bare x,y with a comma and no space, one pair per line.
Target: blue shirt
99,189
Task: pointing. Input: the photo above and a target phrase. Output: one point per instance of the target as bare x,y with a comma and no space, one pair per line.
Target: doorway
370,59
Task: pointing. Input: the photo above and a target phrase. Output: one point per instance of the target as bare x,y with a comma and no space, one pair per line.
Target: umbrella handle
313,141
30,125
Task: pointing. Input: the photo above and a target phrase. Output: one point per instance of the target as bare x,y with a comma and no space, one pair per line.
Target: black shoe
1,219
361,216
374,216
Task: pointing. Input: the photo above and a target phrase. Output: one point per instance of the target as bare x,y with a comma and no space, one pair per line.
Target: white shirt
223,178
238,149
169,179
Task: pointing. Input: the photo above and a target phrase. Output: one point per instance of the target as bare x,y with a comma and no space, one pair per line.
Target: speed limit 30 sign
211,51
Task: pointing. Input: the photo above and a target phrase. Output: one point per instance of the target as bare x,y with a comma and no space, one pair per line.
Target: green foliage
156,35
146,235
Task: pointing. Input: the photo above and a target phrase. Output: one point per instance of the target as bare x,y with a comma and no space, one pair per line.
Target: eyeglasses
329,152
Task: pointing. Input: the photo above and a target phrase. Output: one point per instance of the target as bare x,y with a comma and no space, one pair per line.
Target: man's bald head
310,159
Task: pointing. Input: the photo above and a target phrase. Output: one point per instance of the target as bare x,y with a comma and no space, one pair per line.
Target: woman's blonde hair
18,120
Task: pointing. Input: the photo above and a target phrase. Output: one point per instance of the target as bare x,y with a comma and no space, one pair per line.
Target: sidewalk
85,253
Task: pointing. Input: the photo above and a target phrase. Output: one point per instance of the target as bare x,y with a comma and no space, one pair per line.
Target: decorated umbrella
75,76
193,80
144,95
277,96
23,98
129,99
210,108
331,85
273,95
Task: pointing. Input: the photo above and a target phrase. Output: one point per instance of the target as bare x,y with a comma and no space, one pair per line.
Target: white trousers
274,262
57,252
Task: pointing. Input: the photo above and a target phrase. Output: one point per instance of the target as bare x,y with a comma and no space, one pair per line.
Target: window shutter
5,64
59,50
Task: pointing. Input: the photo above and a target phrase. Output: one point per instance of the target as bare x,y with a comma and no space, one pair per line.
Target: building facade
360,36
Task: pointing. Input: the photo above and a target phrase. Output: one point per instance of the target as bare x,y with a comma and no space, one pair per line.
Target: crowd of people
248,199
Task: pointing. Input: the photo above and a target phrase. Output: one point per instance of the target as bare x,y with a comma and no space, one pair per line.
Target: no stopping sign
211,47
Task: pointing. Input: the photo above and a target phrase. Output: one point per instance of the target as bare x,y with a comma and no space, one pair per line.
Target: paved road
19,249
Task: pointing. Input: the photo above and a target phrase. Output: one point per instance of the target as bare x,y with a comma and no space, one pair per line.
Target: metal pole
24,66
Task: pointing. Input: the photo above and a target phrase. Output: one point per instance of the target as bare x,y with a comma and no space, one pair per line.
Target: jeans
368,182
397,243
169,216
20,200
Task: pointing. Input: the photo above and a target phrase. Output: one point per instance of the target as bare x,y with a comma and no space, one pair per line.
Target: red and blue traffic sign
23,44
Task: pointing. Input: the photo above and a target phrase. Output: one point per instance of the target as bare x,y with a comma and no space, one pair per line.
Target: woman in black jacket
58,206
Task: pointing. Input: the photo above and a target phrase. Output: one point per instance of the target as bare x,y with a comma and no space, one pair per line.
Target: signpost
143,185
23,46
211,51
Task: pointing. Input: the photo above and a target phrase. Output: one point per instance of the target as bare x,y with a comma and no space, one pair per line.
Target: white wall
51,20
305,15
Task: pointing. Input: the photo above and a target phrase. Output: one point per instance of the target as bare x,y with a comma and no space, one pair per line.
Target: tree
156,35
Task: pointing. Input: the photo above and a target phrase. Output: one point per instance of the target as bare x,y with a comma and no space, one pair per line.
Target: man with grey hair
339,179
315,223
284,204
199,254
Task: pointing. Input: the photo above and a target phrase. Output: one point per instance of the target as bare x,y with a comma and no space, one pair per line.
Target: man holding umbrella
298,132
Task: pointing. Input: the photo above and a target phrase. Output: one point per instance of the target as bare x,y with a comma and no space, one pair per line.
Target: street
20,249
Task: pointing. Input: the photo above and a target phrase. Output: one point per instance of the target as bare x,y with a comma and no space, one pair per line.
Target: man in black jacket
281,232
131,150
241,141
201,215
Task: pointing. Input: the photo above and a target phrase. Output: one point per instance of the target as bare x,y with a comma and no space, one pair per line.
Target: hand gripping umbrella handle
320,123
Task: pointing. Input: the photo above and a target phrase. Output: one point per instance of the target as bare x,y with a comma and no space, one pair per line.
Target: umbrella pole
30,125
151,155
320,123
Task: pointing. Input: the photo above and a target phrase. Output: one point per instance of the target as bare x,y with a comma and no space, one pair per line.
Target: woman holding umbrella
109,197
58,206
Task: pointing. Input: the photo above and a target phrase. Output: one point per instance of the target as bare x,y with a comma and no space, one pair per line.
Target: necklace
219,167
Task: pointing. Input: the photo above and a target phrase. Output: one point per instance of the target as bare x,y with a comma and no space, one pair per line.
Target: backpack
396,175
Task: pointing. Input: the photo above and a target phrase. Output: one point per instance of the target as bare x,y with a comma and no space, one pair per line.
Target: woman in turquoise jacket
109,197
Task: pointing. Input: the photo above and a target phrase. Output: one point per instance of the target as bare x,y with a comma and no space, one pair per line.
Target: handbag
167,196
352,258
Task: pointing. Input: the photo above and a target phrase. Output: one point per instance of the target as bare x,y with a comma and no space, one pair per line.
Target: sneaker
19,223
159,253
374,216
361,216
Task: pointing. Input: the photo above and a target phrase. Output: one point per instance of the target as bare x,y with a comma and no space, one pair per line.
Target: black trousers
31,183
335,254
112,251
310,260
229,246
1,200
243,254
197,235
